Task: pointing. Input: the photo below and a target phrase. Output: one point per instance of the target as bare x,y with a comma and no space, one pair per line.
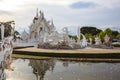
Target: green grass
28,56
70,55
116,45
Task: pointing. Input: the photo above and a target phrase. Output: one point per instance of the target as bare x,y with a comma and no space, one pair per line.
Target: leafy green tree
108,32
73,37
101,35
105,32
118,36
115,34
88,36
90,30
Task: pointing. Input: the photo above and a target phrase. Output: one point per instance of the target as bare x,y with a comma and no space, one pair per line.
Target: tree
90,30
73,37
108,32
101,35
118,36
105,32
88,36
114,34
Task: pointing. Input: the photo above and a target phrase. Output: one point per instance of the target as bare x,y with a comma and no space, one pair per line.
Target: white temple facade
40,28
42,31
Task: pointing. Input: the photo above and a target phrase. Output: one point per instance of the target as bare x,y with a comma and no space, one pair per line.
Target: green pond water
53,69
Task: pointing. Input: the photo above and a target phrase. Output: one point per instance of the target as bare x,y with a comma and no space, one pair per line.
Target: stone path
86,50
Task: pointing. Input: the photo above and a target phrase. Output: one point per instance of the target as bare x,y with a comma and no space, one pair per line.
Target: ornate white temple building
40,28
42,31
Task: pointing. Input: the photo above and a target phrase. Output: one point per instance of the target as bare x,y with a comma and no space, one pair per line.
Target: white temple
42,31
40,28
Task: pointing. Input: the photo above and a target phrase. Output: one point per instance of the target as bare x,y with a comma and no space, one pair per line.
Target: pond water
52,69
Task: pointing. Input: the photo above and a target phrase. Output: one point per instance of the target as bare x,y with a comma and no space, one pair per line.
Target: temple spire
37,12
52,22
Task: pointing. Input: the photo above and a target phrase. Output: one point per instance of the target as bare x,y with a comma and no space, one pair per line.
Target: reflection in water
66,64
62,70
21,71
41,66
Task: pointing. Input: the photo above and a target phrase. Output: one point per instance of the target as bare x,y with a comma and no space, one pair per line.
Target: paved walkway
86,50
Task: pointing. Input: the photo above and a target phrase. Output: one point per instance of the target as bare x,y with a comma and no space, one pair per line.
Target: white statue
78,33
2,31
106,38
90,41
5,55
65,34
13,29
83,41
98,41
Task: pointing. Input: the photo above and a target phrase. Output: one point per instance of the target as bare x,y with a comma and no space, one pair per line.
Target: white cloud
23,11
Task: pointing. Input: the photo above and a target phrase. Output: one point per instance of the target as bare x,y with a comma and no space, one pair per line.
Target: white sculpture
2,31
54,38
83,41
6,49
5,55
65,35
106,38
98,41
13,29
78,34
90,41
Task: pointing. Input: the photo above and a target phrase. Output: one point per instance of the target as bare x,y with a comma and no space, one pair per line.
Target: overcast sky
98,13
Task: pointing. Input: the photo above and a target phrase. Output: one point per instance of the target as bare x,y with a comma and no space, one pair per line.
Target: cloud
2,12
56,2
6,16
80,5
63,12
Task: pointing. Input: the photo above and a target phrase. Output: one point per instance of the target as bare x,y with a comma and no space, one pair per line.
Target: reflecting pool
53,69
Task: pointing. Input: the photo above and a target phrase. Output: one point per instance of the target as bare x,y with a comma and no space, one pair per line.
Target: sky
64,13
